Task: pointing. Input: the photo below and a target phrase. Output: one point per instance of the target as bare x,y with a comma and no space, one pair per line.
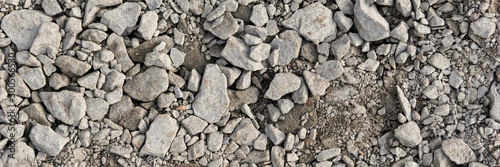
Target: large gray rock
46,140
48,39
458,151
408,134
370,24
314,22
238,54
66,106
148,25
122,19
288,43
330,70
317,84
146,86
482,27
282,84
225,29
160,135
22,26
72,66
34,77
20,155
212,101
93,6
245,133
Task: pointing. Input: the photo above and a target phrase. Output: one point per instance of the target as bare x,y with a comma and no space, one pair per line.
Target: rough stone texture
405,104
21,26
160,135
72,66
288,43
148,25
67,106
314,22
48,39
97,108
245,133
408,134
237,53
122,19
278,156
125,114
194,124
117,45
341,46
259,15
282,84
327,154
458,151
225,29
317,84
146,86
274,134
51,7
330,70
370,24
34,77
212,100
495,101
20,155
93,6
46,140
36,112
439,61
482,27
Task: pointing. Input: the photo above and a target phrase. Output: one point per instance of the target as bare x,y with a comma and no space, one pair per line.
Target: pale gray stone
245,133
20,155
404,7
439,61
177,57
47,140
148,25
259,15
66,106
97,108
404,103
212,100
122,19
369,65
225,29
482,27
93,6
458,151
343,22
282,84
194,124
288,43
237,53
317,84
370,24
274,134
158,59
331,69
214,141
261,142
260,52
160,135
72,66
495,101
146,86
455,80
341,46
278,156
89,81
194,81
400,32
51,7
33,77
327,154
47,40
408,134
21,26
285,105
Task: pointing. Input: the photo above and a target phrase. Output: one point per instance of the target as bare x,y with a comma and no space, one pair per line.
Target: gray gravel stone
314,22
288,43
482,27
495,101
404,7
317,84
369,65
148,25
260,143
46,140
458,151
51,7
260,52
33,77
278,156
67,106
274,134
194,124
122,19
197,150
245,133
214,141
146,86
177,57
72,66
455,80
285,105
282,84
20,155
47,40
259,15
89,81
160,135
400,32
237,53
408,134
212,100
327,154
225,29
405,104
97,108
21,26
194,81
343,22
439,61
125,114
301,95
370,24
330,70
341,46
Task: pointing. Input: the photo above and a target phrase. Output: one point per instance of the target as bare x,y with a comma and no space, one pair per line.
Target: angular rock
148,25
439,61
494,97
36,112
274,134
158,59
408,134
369,65
343,22
194,81
117,45
21,26
97,108
177,57
225,29
405,104
46,140
48,39
160,135
146,86
89,81
20,155
237,53
278,156
197,150
482,27
125,114
51,7
72,66
404,7
66,106
458,151
314,22
327,154
282,84
122,19
194,124
93,6
260,52
153,4
331,69
288,46
214,141
212,100
317,84
455,80
34,77
72,29
341,46
259,15
370,24
400,32
245,133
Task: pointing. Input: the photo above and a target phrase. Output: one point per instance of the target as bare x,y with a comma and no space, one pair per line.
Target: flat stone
245,133
260,52
431,92
331,69
278,156
94,35
148,25
225,29
285,105
36,112
21,26
282,84
288,43
146,86
194,124
455,80
97,108
458,151
89,81
441,159
160,135
261,142
158,59
47,140
404,103
93,6
212,100
238,98
314,22
48,39
113,80
400,32
341,46
122,19
327,154
34,77
369,65
257,157
482,27
51,7
439,61
125,114
370,24
153,4
72,66
197,150
237,53
214,141
259,15
408,134
20,155
301,95
317,84
66,106
194,81
274,134
21,89
116,44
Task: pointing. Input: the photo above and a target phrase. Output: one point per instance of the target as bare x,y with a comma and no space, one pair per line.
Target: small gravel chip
408,134
148,25
72,66
214,141
177,57
47,140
